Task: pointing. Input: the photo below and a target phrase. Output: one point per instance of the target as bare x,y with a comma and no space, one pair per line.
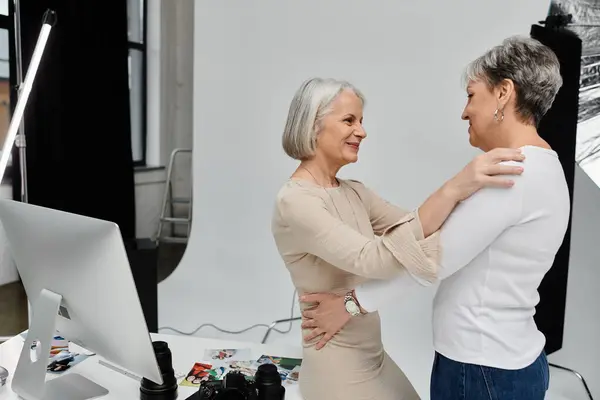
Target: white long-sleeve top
496,247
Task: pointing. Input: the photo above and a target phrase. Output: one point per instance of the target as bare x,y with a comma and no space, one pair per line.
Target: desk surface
186,351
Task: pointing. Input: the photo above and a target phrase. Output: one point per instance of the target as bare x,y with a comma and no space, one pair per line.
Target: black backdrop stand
78,132
559,129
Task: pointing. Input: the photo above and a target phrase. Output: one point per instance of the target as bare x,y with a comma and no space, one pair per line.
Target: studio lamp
24,90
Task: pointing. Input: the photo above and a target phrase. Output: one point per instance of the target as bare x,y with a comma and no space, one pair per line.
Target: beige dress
331,240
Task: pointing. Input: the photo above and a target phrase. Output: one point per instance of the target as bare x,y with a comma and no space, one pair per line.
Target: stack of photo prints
61,358
218,362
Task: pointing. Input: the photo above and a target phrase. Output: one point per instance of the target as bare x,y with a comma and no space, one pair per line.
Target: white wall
154,141
177,74
170,55
170,79
406,56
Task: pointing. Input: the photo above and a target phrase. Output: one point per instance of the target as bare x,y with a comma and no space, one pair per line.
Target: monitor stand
29,380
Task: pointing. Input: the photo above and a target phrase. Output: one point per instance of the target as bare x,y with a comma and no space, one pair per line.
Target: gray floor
13,301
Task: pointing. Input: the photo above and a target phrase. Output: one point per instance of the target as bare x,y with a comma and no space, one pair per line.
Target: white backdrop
406,56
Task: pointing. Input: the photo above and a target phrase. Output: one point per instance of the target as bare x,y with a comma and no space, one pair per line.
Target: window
136,16
4,84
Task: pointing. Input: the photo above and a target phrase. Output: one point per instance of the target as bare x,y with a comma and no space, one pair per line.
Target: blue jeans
452,380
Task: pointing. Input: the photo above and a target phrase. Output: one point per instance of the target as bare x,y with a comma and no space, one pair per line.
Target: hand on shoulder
486,170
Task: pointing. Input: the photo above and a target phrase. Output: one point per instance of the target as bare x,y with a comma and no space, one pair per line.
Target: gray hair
533,68
310,105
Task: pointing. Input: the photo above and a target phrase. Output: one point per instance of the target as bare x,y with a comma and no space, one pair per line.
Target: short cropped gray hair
532,66
310,104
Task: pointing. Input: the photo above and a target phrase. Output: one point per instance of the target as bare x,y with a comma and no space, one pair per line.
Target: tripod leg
578,375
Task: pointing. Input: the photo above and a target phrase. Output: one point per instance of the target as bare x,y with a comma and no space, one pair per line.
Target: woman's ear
505,91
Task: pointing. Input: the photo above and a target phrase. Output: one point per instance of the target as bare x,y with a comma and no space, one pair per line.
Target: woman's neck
320,172
516,135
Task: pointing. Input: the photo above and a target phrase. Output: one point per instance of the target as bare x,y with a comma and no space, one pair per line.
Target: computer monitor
79,283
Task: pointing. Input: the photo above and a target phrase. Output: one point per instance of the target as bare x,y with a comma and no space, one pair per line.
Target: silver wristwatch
351,305
3,376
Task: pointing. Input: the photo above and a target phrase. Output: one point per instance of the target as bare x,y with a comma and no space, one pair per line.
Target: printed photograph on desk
60,358
201,372
247,368
289,368
215,355
64,361
281,362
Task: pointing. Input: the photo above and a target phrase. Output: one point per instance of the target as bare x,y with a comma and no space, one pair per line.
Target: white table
185,350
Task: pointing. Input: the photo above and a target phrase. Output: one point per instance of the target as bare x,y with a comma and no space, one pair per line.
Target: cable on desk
288,330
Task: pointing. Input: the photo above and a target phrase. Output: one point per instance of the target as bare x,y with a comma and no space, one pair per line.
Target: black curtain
559,129
77,121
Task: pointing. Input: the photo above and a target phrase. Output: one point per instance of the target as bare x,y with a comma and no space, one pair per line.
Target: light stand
20,141
559,22
48,21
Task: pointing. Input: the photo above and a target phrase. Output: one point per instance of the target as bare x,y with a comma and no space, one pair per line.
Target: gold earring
501,118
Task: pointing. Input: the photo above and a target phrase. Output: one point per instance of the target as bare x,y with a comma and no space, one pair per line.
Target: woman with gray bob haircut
311,103
335,234
497,245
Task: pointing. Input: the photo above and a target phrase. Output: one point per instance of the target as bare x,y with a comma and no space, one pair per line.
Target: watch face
352,308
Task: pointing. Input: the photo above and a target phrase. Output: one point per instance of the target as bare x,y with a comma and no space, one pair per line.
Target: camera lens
267,374
268,383
163,356
168,390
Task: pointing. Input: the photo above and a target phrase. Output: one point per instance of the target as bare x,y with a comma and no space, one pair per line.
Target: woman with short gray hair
497,245
334,234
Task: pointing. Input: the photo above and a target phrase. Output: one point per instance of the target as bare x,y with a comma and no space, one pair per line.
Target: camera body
233,386
266,385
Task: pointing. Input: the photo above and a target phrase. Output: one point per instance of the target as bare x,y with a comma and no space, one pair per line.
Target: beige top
331,240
